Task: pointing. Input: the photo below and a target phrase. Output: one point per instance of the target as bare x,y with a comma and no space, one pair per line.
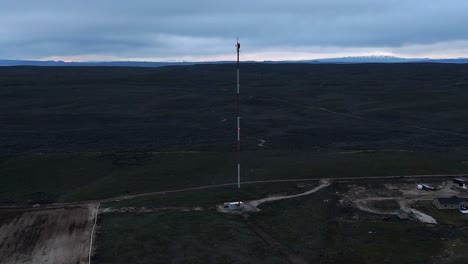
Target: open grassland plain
179,237
47,178
374,241
72,134
300,223
50,235
293,106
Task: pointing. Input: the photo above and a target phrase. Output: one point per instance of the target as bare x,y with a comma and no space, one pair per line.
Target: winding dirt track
256,203
289,256
361,204
128,197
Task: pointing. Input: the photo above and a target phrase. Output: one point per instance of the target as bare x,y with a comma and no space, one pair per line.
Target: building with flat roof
453,202
460,181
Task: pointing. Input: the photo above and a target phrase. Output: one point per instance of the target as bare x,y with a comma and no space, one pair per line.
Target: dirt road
128,197
256,203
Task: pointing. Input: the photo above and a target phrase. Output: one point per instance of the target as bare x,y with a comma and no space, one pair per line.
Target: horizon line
211,61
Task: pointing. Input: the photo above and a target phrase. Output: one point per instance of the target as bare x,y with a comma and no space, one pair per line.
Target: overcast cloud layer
205,30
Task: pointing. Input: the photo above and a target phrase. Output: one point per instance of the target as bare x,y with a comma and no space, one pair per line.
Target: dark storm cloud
171,29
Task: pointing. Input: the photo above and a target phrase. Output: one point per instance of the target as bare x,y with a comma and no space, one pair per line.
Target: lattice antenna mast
238,119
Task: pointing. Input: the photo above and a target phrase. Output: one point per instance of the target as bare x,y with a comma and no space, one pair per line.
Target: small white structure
234,206
425,187
463,210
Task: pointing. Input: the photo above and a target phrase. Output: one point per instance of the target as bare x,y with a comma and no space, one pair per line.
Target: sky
206,30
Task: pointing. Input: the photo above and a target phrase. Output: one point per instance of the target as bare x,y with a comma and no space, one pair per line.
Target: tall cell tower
238,205
238,120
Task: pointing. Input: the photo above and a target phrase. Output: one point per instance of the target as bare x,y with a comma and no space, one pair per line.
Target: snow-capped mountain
367,59
387,59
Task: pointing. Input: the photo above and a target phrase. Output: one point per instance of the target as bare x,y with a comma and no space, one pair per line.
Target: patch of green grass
43,178
86,176
387,242
179,237
128,112
300,223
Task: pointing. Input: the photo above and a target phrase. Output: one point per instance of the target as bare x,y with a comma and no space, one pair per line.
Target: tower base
234,206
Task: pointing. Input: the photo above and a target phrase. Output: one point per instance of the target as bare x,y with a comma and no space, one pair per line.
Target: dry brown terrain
46,235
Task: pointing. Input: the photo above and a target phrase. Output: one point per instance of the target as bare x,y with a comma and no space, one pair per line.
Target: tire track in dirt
92,233
257,203
274,244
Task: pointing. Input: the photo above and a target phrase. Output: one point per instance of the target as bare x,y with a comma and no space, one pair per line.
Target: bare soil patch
46,235
391,205
391,197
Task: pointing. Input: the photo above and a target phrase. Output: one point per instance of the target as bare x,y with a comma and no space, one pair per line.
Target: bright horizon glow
260,57
442,50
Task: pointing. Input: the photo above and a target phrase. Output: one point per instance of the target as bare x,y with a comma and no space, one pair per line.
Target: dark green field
80,133
46,178
180,237
172,108
83,133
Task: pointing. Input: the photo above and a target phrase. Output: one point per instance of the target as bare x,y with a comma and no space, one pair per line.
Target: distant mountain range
91,63
388,59
342,60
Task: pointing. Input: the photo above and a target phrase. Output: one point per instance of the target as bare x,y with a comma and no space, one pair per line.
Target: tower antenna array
237,205
238,120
